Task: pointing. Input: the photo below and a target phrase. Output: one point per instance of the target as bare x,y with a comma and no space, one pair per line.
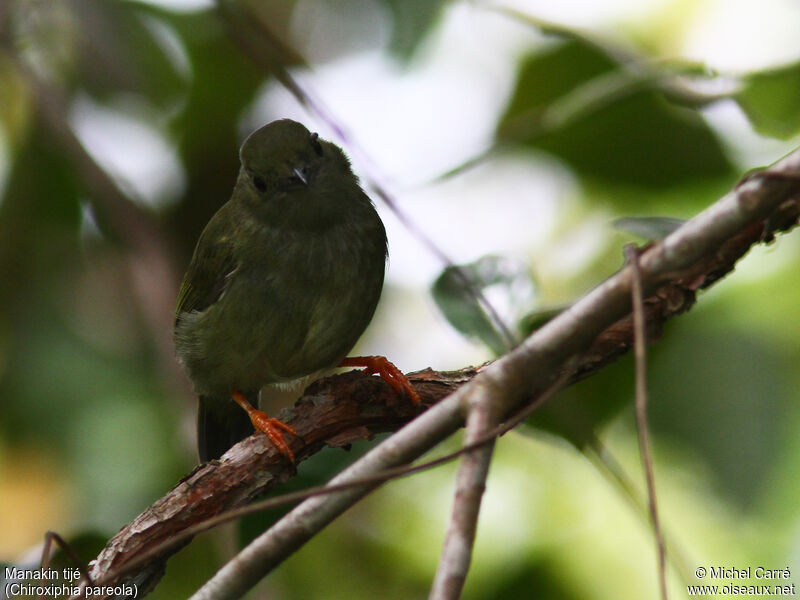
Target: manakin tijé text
283,281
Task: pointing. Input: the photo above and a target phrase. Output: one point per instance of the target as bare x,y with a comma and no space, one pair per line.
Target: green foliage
39,216
540,576
724,408
210,154
457,292
581,411
770,101
412,20
625,133
124,50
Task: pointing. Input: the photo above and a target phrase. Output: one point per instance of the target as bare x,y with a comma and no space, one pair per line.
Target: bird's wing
208,274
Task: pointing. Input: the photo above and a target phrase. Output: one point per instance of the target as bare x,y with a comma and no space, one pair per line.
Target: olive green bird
283,281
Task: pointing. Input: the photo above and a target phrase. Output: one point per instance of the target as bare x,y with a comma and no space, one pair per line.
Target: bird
284,279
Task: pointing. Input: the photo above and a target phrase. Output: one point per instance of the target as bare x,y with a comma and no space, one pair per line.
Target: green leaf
722,394
608,123
40,215
225,82
506,282
412,20
540,573
125,49
771,100
534,320
582,410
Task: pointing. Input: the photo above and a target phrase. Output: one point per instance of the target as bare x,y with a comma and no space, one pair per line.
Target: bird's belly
260,333
220,358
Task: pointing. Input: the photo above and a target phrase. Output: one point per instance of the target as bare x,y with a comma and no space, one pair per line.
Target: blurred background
511,135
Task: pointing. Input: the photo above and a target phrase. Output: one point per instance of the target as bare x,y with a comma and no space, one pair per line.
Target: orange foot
269,426
387,371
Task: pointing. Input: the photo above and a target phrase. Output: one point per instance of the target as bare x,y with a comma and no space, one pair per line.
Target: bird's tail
221,423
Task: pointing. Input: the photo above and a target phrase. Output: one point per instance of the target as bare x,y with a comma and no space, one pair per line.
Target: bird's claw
380,365
269,426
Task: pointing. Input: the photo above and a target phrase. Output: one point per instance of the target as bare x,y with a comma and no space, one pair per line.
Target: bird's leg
269,426
380,365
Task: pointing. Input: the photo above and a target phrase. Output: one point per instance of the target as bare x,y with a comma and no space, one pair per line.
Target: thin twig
640,354
607,464
470,486
44,565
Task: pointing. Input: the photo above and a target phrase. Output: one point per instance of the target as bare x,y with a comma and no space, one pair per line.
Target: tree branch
342,409
470,486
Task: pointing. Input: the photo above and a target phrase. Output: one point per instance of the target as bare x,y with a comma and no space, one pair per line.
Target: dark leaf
412,20
225,81
505,282
546,576
580,411
607,123
40,215
722,394
124,49
534,320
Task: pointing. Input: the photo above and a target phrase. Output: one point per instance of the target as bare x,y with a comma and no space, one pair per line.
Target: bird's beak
301,175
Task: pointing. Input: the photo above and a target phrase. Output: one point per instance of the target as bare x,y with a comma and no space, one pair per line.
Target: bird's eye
315,144
260,184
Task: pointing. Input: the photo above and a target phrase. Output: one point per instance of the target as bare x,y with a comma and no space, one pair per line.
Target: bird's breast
293,309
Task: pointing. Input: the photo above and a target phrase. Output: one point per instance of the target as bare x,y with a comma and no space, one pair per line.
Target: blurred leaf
5,343
15,102
649,228
317,470
454,293
771,100
543,579
534,320
581,410
412,20
721,394
266,25
224,82
40,215
45,35
123,49
607,123
190,569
